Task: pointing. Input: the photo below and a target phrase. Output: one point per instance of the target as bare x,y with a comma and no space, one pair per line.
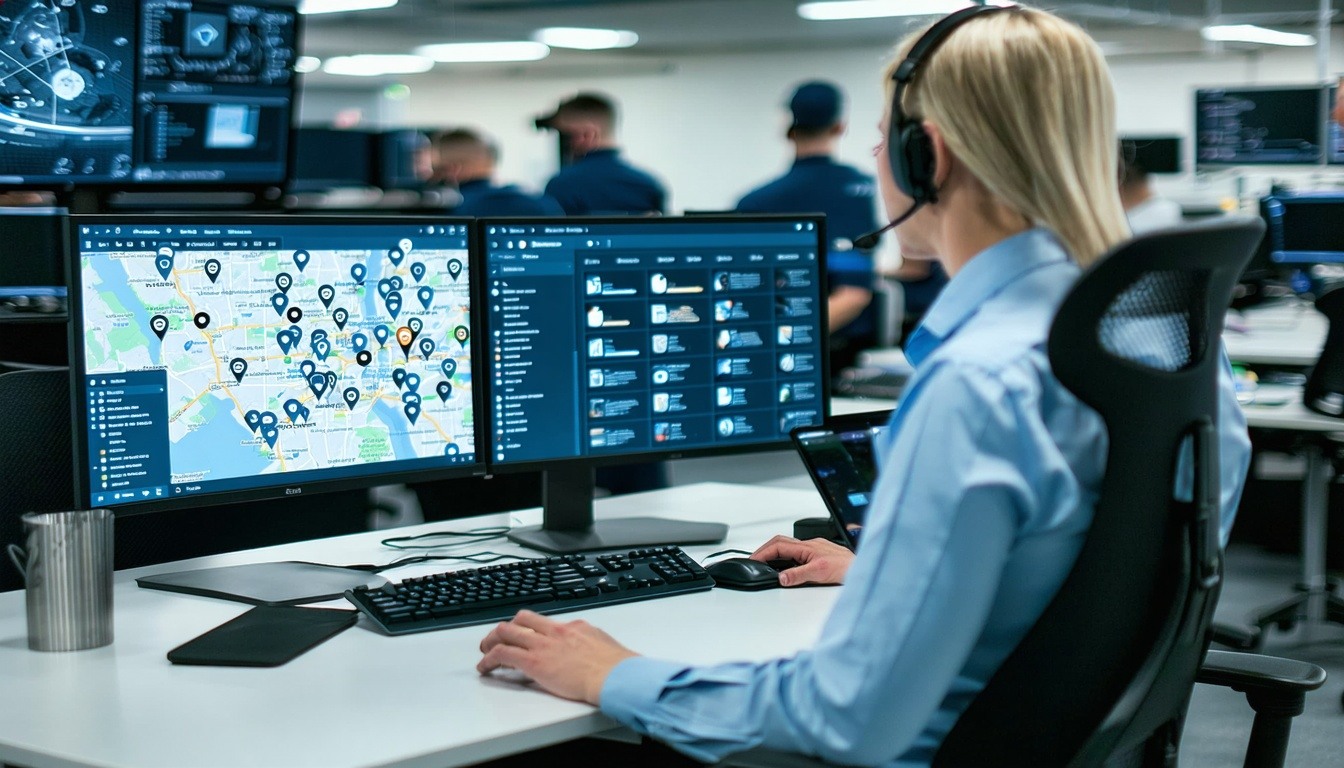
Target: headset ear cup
917,150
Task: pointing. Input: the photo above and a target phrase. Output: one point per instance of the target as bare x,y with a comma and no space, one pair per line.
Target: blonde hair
1025,101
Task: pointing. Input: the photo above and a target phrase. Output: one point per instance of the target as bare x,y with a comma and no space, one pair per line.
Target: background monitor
1306,228
32,263
66,92
222,359
1334,132
635,339
331,158
214,92
397,156
1154,154
1258,125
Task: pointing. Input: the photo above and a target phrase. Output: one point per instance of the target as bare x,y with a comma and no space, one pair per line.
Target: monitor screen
215,91
1258,126
32,258
67,91
217,359
1153,154
616,339
1305,228
331,158
399,155
1334,132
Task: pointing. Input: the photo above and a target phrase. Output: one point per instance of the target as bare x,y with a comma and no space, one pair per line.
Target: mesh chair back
1109,666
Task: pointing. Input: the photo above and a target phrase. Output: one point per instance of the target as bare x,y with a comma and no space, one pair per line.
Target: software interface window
227,356
620,338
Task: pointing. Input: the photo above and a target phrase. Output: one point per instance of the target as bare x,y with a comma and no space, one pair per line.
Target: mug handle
19,558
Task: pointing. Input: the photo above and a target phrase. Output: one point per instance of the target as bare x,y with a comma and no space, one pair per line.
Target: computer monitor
215,92
32,260
1153,154
397,156
331,158
1258,126
630,339
68,92
1334,132
222,359
1305,228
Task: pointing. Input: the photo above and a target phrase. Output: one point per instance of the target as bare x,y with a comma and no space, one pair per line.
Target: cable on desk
471,536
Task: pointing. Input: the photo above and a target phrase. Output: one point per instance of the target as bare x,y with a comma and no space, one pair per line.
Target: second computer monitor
613,340
1258,126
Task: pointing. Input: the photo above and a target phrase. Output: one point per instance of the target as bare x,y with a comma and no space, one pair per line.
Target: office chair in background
1105,675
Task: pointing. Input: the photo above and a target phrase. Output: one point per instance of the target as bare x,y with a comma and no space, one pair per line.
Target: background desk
1288,333
363,698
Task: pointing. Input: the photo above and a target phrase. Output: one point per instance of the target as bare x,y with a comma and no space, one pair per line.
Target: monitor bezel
1321,132
780,443
78,404
1281,257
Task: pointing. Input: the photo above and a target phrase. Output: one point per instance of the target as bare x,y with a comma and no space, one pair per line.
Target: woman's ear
942,156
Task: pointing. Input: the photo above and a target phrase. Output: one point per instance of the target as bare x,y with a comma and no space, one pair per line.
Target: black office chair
1105,675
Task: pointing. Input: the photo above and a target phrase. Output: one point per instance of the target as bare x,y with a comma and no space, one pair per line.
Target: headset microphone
869,241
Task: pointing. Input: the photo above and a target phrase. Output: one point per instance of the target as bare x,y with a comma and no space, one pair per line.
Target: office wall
711,126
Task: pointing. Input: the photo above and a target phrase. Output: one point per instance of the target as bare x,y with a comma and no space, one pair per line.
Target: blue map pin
412,411
360,342
317,382
253,419
398,376
319,333
416,325
268,419
380,332
413,381
283,281
300,259
306,368
351,396
279,301
212,267
418,270
293,409
270,435
426,347
449,366
410,397
384,287
322,348
340,316
445,390
393,301
395,256
159,324
285,340
163,261
296,333
426,295
358,271
331,380
397,282
325,293
451,449
238,366
454,268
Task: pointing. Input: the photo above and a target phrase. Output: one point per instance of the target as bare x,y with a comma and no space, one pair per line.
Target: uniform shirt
818,184
481,198
1154,213
601,182
989,477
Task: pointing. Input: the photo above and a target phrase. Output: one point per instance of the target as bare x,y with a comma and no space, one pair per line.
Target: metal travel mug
66,562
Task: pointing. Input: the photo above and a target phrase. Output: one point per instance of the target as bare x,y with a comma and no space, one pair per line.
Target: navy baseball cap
815,104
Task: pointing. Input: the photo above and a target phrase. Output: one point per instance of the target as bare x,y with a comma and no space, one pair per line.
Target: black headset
909,148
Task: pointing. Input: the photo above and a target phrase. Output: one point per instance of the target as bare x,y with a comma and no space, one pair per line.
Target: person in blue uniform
597,180
818,183
464,159
990,470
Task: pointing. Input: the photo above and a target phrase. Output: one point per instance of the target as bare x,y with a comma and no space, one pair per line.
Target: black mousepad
266,636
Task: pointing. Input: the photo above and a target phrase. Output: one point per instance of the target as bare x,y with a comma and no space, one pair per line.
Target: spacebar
485,605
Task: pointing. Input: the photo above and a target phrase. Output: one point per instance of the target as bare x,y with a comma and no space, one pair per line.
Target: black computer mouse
743,573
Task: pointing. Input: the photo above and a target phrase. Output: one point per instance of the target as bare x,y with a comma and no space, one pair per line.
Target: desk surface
126,705
1287,333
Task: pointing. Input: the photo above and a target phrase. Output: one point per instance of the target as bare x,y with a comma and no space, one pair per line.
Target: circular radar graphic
54,83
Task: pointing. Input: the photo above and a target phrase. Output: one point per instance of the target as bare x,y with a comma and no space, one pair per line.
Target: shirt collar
605,153
813,160
984,275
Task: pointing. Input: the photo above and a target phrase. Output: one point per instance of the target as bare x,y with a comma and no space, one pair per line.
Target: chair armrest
1246,671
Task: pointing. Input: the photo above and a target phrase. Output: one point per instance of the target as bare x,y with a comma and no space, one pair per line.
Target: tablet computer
839,458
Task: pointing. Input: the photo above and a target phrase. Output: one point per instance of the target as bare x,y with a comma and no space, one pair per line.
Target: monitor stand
568,526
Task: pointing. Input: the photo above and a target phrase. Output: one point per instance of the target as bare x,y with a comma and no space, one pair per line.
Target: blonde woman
998,159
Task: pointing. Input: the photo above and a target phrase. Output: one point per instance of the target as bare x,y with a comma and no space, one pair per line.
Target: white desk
1289,332
364,698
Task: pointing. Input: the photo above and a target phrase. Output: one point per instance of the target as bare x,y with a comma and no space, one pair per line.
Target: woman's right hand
819,561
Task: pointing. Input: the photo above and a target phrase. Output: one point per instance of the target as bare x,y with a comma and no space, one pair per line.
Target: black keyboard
557,584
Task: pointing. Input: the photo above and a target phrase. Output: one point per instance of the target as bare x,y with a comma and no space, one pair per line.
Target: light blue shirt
989,478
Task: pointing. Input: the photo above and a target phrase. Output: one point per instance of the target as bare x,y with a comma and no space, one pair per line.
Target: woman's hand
571,660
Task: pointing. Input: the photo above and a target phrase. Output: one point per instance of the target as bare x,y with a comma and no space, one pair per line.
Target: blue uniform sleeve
951,498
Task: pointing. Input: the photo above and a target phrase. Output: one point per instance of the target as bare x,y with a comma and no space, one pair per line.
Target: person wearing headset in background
1001,162
597,180
465,160
817,183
